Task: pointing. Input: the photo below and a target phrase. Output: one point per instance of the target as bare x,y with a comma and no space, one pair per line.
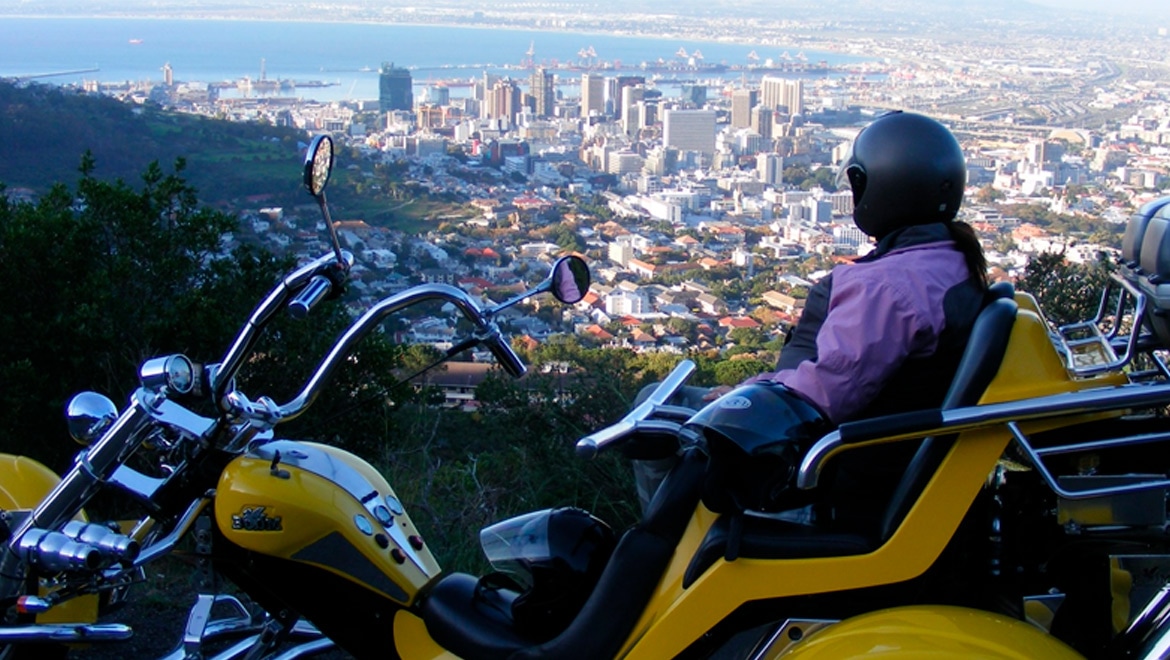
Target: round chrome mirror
89,414
318,164
570,279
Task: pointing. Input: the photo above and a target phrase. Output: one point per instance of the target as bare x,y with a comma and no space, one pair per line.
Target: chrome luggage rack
1097,345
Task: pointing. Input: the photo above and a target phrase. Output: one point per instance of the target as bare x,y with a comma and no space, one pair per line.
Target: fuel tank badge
256,520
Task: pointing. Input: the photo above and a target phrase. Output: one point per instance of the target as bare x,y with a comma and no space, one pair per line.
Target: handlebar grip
313,293
506,356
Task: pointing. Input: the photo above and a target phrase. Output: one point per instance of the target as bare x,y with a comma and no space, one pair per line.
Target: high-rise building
592,94
439,95
615,91
742,102
630,111
544,92
782,94
770,169
647,114
504,101
394,88
695,95
762,121
689,130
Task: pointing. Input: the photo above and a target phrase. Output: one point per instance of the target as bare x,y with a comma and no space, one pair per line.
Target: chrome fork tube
90,469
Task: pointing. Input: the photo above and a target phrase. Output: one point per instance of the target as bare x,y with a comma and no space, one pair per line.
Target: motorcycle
1025,517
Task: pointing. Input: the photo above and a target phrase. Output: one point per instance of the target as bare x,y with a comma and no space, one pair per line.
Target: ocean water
345,55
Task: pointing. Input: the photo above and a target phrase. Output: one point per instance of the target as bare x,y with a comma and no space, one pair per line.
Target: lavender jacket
891,333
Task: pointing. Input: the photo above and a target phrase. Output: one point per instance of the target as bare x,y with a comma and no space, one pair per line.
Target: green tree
1067,292
104,276
988,195
733,372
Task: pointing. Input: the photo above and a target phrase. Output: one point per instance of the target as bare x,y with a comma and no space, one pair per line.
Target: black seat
766,538
473,624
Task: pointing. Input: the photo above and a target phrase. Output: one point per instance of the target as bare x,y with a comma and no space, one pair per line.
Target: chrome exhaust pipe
121,547
56,552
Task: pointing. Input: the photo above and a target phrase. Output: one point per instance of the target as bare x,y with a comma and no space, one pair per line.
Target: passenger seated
884,334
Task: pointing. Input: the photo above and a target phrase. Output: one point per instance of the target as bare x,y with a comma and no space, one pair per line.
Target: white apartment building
689,130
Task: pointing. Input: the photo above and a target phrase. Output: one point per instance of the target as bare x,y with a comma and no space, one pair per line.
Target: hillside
44,131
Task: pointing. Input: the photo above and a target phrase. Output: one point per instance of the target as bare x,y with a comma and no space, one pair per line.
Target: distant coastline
77,49
689,36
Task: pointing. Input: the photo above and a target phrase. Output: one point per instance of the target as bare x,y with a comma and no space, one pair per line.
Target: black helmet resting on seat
904,169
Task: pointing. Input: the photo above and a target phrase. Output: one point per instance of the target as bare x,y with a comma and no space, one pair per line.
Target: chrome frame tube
1148,636
167,543
65,633
306,649
972,417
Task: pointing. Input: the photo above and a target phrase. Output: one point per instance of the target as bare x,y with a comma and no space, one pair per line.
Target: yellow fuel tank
323,506
926,631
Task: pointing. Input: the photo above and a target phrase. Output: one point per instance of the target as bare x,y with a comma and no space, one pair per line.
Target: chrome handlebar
265,414
638,420
304,283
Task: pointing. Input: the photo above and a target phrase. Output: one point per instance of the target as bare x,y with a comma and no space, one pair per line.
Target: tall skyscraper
782,94
689,130
592,94
544,91
394,88
742,102
630,112
503,101
762,121
647,113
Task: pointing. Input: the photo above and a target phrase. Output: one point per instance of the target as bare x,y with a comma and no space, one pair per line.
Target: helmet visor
852,177
850,174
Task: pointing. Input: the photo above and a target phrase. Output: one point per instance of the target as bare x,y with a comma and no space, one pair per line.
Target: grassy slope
45,130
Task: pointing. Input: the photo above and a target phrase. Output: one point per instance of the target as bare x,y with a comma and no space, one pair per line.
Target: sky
1152,7
1156,9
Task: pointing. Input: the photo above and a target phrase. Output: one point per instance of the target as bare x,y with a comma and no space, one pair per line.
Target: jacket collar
911,236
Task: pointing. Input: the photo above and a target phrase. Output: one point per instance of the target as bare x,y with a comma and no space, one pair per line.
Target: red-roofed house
598,332
733,322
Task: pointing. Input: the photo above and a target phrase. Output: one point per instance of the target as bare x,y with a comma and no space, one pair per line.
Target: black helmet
904,169
554,557
756,436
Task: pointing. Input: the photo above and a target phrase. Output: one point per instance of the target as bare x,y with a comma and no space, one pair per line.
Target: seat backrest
1153,276
1135,231
978,366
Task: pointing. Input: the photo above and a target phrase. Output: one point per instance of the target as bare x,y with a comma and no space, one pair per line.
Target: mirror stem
332,230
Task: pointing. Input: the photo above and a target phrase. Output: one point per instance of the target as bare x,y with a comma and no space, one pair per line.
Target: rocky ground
157,611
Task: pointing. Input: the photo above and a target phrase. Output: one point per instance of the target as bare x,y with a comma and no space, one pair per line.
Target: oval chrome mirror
89,414
570,279
318,164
